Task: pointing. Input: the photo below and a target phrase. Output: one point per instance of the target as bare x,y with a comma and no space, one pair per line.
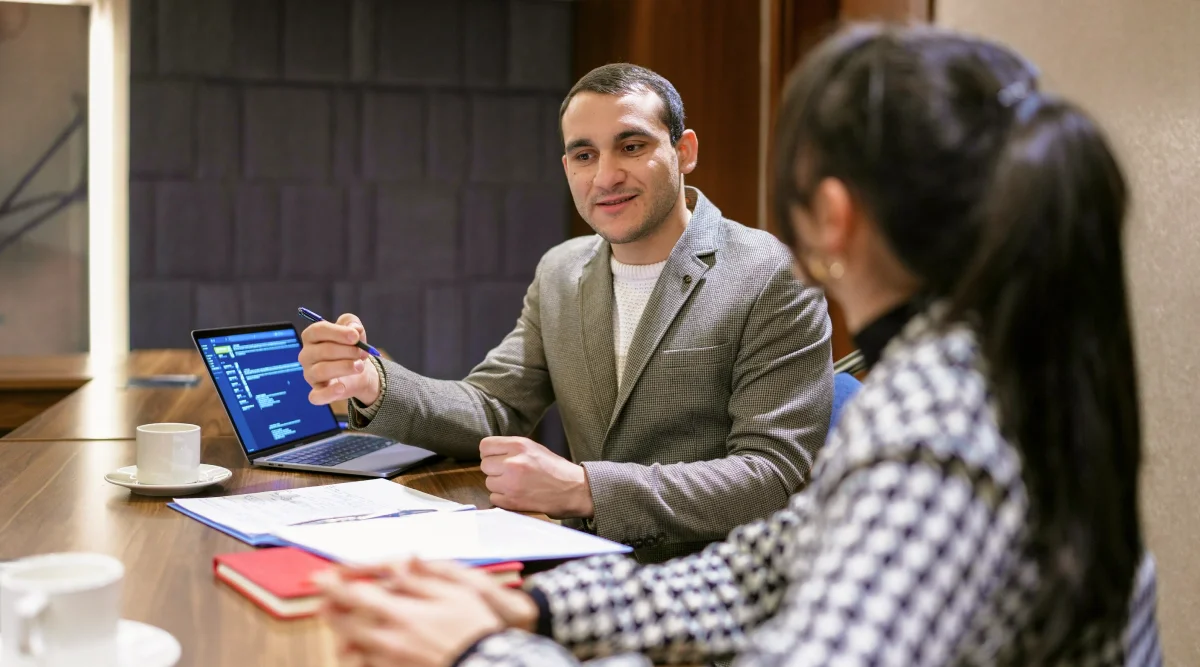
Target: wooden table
76,398
53,497
30,385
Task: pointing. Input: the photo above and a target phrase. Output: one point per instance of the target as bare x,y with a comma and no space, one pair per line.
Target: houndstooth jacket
909,547
725,398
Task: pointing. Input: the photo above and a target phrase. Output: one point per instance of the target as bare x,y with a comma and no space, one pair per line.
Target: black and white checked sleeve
893,572
514,648
902,561
691,609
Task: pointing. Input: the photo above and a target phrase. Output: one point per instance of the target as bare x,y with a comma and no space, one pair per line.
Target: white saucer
209,475
141,645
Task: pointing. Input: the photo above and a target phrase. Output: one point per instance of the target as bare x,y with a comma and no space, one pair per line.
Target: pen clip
309,315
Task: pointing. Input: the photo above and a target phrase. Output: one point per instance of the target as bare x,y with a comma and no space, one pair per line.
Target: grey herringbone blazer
725,399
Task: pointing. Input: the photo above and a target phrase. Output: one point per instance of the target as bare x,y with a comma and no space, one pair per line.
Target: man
692,372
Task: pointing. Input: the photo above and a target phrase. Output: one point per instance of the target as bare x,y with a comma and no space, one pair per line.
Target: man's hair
624,78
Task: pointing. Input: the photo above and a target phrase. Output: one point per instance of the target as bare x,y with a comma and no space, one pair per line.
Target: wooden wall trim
888,10
710,51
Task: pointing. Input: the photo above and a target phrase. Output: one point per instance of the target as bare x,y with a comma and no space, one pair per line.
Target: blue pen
313,317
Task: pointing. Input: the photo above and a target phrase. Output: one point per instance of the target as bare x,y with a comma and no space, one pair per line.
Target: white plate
141,645
209,475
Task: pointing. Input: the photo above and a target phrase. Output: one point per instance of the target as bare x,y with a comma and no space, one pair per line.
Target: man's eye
583,157
632,148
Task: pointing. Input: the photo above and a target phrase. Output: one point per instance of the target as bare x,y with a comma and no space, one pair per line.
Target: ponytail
1047,291
1009,205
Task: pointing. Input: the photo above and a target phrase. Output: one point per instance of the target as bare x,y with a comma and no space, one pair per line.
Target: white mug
168,453
60,610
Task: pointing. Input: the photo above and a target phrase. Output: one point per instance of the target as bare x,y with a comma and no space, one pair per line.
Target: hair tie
1022,99
1015,93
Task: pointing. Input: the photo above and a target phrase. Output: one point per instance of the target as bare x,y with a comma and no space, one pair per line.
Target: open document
476,538
257,518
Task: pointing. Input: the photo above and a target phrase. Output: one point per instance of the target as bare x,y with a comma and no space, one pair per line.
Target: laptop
262,386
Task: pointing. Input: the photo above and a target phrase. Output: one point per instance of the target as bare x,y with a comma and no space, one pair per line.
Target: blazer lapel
680,277
596,317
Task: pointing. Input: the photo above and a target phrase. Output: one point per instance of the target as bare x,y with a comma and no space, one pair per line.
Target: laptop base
385,463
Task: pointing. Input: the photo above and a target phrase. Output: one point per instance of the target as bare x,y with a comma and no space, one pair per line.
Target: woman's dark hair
1009,205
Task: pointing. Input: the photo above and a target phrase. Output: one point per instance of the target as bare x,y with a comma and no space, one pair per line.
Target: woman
977,503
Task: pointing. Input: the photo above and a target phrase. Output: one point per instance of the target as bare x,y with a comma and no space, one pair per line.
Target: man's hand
413,618
526,477
333,366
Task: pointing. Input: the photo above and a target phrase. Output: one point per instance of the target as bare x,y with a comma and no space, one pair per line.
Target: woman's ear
833,217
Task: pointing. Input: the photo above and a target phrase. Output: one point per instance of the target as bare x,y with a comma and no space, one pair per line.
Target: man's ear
834,212
688,150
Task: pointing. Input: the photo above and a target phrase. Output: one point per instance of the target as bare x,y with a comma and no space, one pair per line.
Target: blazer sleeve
780,403
506,394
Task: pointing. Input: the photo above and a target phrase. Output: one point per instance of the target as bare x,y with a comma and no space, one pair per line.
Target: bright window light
108,179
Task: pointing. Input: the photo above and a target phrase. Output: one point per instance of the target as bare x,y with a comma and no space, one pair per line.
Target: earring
836,270
816,270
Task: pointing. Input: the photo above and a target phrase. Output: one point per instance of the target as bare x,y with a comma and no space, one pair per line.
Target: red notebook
279,579
508,574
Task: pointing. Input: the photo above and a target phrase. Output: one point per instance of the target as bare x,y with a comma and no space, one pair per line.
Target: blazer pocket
695,356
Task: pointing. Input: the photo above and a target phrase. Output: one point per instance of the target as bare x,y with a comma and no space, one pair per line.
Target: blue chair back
845,386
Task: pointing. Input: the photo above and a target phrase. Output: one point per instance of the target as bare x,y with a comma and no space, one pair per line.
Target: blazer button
687,280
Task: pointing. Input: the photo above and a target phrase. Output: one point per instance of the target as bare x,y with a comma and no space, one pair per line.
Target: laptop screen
263,387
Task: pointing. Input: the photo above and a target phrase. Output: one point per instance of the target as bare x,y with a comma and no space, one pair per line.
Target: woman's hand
418,613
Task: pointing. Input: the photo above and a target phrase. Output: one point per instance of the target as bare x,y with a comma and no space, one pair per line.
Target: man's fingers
315,353
493,465
324,371
498,446
328,332
326,394
334,391
351,320
493,484
337,389
504,501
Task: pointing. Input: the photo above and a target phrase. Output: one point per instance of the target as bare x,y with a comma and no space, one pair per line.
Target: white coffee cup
60,610
168,453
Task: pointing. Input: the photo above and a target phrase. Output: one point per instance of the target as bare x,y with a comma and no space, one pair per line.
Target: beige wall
43,278
1136,66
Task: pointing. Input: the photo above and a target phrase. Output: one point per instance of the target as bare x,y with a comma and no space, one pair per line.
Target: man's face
623,171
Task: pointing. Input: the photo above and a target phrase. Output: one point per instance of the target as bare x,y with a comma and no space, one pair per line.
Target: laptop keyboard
334,452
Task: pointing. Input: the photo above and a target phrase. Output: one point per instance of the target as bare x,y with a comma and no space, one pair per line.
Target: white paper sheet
267,511
480,536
